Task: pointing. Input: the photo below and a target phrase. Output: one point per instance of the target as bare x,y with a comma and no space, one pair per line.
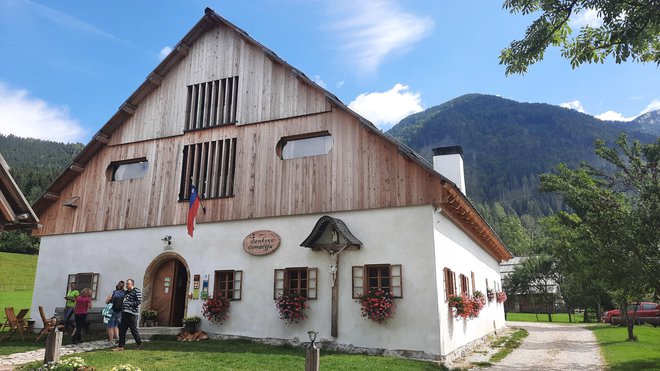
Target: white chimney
448,161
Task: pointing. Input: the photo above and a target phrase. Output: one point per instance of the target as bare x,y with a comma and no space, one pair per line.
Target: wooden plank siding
362,171
266,90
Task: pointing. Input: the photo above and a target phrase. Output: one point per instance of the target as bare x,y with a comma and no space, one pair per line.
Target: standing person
117,301
83,305
129,315
70,304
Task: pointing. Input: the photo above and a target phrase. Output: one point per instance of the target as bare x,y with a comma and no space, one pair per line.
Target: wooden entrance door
169,292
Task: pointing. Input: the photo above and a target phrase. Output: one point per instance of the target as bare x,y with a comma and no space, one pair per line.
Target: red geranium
216,309
377,305
501,297
467,307
291,307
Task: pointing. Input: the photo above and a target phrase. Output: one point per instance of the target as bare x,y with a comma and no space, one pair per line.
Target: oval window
306,146
129,170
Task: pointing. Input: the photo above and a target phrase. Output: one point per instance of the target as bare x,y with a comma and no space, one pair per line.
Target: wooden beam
103,138
183,49
78,168
128,108
155,79
51,196
6,209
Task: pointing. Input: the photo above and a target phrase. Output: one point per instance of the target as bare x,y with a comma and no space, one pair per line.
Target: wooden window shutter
396,277
358,281
238,285
473,282
453,281
278,285
312,274
446,274
95,285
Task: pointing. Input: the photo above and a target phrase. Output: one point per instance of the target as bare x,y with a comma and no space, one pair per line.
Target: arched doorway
165,288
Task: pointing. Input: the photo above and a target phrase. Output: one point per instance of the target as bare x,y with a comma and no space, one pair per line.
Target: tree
616,218
629,30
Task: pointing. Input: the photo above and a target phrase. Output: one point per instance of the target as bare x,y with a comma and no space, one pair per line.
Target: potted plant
291,307
149,317
216,310
377,305
191,323
480,299
491,294
501,297
465,306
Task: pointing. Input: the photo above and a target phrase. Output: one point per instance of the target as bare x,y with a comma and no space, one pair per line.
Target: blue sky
67,66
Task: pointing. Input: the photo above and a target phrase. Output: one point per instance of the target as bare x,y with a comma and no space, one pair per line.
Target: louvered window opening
211,167
211,103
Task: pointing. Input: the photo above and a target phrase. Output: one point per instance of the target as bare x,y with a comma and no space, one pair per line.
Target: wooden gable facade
222,95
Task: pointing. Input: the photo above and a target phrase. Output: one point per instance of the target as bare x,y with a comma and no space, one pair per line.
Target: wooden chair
50,324
13,324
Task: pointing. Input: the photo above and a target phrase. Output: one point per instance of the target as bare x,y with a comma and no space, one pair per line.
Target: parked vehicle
646,313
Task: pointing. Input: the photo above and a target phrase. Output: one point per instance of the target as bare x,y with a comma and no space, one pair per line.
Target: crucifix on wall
332,236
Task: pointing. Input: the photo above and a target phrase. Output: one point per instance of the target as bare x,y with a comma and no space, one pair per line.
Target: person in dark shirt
129,315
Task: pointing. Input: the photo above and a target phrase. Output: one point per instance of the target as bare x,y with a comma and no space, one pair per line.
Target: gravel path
553,347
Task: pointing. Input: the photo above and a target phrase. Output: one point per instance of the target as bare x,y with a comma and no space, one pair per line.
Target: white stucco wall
456,251
410,236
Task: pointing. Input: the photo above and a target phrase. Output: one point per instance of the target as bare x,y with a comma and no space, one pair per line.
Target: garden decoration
216,309
291,307
191,322
377,305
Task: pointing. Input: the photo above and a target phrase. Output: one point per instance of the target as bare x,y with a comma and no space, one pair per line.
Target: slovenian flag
192,210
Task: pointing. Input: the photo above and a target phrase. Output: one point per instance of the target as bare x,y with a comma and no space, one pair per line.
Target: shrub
125,367
291,307
149,315
216,310
377,305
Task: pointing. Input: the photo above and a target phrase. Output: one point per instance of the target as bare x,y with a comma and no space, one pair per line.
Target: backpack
117,301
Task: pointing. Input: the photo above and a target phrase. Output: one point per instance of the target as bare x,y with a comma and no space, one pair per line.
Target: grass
543,317
621,354
17,273
509,344
240,355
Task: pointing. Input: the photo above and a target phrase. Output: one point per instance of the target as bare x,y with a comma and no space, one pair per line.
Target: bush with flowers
501,297
216,309
125,367
68,364
291,307
377,305
467,307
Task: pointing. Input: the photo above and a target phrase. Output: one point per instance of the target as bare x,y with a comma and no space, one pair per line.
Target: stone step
148,332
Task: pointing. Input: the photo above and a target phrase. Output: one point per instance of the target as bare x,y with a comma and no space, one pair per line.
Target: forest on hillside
34,165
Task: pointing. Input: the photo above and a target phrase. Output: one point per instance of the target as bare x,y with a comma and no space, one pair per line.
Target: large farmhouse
300,194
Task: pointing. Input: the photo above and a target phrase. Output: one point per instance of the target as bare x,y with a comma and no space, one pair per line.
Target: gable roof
15,211
456,205
338,225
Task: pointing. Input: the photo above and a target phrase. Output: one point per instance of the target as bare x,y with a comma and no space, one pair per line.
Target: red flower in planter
291,307
501,297
377,305
216,309
467,307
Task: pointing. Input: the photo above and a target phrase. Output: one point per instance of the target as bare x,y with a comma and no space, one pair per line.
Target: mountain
648,123
507,144
35,163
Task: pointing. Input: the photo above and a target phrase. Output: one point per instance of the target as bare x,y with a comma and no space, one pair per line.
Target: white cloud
654,105
164,52
374,29
386,109
613,116
339,84
587,17
317,79
26,116
66,20
574,105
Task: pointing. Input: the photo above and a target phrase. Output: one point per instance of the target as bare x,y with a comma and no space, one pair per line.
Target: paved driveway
553,347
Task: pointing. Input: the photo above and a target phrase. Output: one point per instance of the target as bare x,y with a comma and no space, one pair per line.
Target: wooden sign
261,243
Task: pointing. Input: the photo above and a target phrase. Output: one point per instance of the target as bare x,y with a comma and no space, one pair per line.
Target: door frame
151,271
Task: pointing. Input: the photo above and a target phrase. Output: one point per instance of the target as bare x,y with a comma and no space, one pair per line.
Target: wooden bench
94,318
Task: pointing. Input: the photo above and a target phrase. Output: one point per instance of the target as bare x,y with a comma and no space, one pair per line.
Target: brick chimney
448,161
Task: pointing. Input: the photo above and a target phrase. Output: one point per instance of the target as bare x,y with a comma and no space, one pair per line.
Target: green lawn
240,355
17,273
543,317
620,354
